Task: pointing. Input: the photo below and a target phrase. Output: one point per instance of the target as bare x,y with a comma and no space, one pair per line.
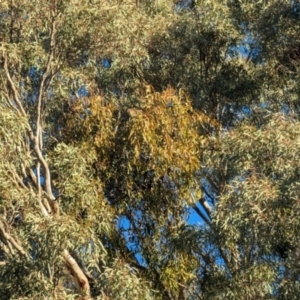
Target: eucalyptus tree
119,120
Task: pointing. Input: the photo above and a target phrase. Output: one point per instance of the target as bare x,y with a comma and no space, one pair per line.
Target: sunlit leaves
258,209
146,157
150,110
120,282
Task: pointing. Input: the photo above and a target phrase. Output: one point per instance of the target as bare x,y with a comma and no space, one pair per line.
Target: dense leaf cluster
149,149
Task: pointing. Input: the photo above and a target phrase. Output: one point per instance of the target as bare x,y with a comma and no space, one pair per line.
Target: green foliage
120,120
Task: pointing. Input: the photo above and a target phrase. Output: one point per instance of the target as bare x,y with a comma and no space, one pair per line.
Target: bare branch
45,210
81,280
37,139
206,207
81,265
44,77
5,248
32,176
201,214
12,241
12,85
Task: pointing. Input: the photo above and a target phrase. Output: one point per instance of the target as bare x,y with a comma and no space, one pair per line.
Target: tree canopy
149,149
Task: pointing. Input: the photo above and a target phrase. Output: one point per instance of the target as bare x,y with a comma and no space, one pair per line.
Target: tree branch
12,85
206,207
201,214
37,139
46,210
82,266
81,280
11,240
